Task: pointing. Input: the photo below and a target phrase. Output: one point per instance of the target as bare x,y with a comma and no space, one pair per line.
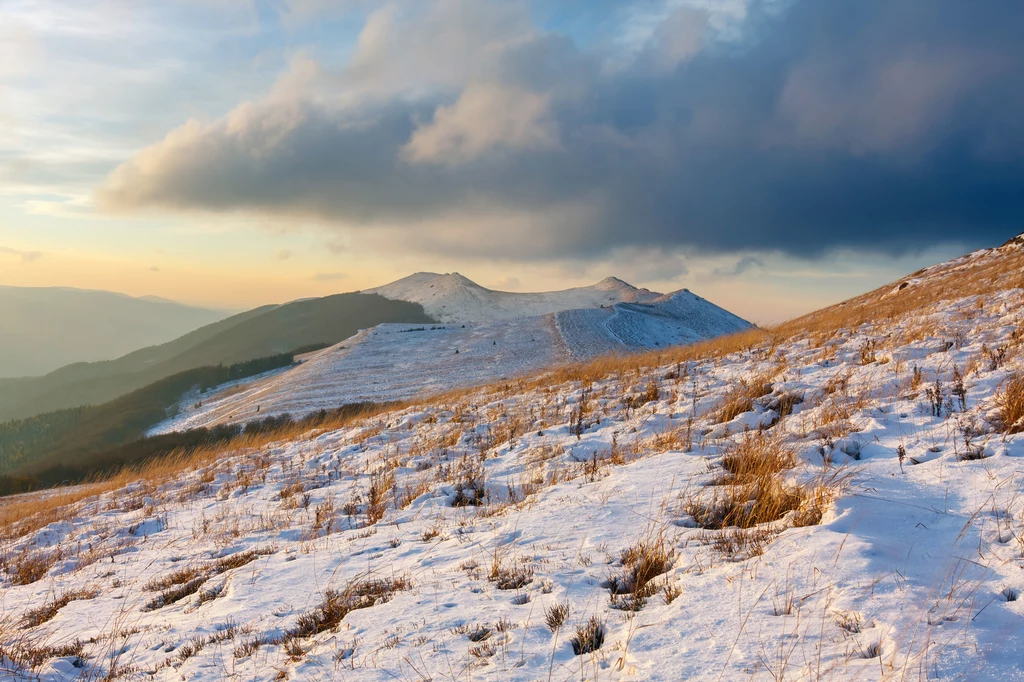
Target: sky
774,156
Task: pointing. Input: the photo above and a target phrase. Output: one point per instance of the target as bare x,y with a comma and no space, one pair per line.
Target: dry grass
29,566
336,605
1010,403
741,398
642,563
753,491
511,575
745,506
185,582
739,544
51,608
555,615
756,455
26,655
589,636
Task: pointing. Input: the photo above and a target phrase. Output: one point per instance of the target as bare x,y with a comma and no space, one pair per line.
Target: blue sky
774,156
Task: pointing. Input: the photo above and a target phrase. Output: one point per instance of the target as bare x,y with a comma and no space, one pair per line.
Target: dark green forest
73,435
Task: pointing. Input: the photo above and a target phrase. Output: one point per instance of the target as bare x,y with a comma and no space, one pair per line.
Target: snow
454,298
387,362
400,361
906,577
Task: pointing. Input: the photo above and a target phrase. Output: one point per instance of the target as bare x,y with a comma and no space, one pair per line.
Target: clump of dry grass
741,398
193,646
755,456
555,615
382,482
745,506
754,493
785,402
28,655
649,395
50,609
738,544
175,594
178,577
589,636
1010,404
641,563
186,581
336,605
511,576
471,490
30,565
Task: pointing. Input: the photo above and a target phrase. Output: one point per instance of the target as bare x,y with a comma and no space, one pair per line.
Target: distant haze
42,329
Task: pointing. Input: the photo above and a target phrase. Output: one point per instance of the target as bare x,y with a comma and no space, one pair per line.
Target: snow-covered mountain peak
452,297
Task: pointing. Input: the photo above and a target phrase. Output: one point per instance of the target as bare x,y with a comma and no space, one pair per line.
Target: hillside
74,443
834,499
262,332
457,299
397,362
48,327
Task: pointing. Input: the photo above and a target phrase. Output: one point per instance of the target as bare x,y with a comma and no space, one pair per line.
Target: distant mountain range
43,328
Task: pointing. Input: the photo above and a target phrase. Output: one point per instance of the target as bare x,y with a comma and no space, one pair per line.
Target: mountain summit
452,297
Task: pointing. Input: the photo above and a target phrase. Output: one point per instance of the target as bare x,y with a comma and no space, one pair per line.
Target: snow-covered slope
393,361
388,362
454,298
474,537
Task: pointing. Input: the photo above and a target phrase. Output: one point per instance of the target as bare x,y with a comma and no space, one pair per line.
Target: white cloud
485,118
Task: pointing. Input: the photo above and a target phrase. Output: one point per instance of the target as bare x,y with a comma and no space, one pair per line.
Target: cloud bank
462,126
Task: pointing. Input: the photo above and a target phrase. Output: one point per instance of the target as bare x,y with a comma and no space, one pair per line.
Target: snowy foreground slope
861,461
397,362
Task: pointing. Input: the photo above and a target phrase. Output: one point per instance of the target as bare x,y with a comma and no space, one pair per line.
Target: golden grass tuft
753,492
1010,403
754,456
642,562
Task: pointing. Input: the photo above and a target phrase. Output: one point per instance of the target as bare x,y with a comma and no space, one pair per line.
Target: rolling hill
258,333
45,328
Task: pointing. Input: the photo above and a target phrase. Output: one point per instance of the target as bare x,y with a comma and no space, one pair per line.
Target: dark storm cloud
867,124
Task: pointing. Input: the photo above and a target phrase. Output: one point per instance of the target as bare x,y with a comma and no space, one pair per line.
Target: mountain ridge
454,298
45,328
